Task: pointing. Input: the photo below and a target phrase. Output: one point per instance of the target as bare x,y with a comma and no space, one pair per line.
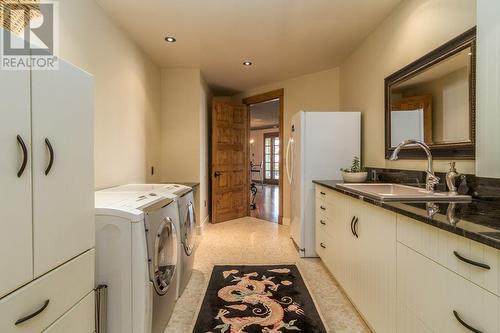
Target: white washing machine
187,223
137,258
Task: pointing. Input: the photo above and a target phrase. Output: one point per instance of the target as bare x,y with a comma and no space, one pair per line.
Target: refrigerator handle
289,170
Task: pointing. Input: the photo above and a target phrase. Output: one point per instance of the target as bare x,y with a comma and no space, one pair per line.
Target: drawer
430,297
62,287
80,319
453,252
323,208
327,194
322,243
324,225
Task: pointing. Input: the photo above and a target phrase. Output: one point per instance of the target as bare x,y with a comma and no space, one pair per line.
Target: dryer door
164,256
188,229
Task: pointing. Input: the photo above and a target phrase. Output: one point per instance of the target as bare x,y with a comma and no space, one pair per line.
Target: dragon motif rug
248,299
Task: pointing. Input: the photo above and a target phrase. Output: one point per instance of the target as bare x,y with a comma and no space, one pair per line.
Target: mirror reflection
434,105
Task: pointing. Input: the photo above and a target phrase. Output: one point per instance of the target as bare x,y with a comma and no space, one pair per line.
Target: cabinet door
429,294
63,198
351,260
15,191
80,319
374,265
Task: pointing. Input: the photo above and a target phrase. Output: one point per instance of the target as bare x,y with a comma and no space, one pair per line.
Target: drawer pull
471,262
352,221
322,193
322,222
464,324
34,314
322,245
322,208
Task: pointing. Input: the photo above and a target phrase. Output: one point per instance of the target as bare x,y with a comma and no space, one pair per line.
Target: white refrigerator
320,144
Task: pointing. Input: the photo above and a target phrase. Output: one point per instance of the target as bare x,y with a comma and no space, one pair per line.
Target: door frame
264,97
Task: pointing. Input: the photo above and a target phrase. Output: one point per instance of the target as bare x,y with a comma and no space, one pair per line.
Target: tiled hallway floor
253,241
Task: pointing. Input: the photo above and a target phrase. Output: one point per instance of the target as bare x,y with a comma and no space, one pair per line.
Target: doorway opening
265,114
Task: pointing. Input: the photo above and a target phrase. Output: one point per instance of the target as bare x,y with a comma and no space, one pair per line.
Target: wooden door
15,181
63,191
230,168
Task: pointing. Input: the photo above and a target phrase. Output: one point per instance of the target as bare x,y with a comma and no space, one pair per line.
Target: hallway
267,203
253,241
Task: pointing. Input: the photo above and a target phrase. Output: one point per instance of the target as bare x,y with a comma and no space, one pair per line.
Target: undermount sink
397,192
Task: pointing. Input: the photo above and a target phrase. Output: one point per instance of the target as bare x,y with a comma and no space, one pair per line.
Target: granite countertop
478,220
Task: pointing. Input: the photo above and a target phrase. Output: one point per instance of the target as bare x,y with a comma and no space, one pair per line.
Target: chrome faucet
431,180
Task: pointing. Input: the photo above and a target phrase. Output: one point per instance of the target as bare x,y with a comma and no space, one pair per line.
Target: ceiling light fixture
170,39
247,63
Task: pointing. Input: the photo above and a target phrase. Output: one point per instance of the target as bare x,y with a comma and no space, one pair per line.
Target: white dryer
137,258
187,220
187,223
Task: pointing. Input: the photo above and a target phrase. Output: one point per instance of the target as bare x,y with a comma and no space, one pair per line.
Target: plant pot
354,177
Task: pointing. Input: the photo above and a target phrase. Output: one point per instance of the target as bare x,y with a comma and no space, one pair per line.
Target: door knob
217,174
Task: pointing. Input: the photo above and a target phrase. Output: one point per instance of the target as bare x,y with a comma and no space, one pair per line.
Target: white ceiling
266,114
283,38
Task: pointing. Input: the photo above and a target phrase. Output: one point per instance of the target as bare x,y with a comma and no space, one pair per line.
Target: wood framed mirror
433,100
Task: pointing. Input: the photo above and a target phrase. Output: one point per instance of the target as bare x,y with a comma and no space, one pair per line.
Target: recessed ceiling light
247,63
170,39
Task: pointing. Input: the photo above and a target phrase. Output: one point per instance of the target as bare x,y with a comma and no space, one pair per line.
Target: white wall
313,92
184,145
127,93
488,87
413,29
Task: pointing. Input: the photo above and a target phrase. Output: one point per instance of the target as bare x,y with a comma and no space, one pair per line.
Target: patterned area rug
264,299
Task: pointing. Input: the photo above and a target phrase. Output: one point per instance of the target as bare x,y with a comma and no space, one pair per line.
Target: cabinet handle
51,156
25,156
322,222
354,228
34,314
471,262
464,324
322,208
352,221
322,193
322,245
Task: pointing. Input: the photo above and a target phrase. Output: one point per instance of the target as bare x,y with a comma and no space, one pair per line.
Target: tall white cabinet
63,201
47,199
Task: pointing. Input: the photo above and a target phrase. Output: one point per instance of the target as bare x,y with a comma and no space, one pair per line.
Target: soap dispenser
451,178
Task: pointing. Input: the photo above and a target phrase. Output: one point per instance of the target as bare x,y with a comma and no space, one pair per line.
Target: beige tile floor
253,241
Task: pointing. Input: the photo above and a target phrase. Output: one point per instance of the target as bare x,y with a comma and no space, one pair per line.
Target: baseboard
286,221
199,228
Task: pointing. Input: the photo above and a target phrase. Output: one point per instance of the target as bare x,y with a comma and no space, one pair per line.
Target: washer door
164,256
188,229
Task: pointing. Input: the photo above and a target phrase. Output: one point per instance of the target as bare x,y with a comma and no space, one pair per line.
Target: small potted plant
356,174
